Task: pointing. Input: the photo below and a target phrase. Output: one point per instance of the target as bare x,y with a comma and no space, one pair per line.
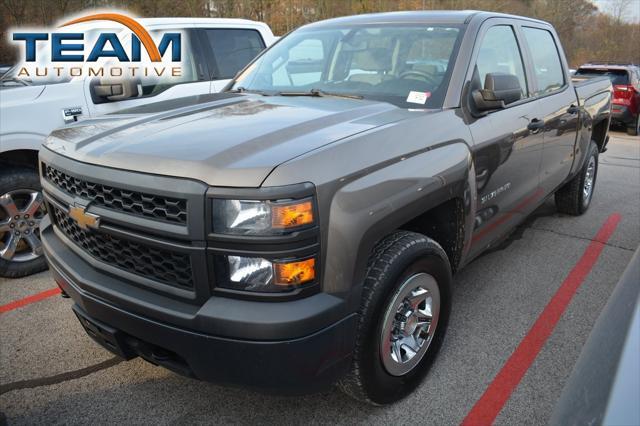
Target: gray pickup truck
302,227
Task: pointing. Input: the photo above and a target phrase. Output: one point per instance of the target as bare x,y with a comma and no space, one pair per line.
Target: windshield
406,65
617,77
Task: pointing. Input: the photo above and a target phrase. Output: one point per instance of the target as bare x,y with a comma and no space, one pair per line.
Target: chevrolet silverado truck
302,227
30,108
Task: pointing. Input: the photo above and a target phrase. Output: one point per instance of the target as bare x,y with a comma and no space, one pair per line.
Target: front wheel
21,210
575,196
403,317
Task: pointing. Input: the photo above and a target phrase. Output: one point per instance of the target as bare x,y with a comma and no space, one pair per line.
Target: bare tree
618,9
16,9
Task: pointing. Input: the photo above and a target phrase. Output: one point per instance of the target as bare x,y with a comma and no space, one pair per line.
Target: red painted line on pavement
487,408
28,300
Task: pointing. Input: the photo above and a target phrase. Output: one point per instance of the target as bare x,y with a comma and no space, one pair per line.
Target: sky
633,11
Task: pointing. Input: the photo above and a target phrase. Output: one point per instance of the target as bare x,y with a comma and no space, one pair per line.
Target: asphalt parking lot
51,372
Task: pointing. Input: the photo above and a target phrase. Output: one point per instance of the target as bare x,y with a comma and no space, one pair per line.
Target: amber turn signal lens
295,273
291,215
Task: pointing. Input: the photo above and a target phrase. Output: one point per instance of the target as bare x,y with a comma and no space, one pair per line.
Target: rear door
507,147
558,105
228,51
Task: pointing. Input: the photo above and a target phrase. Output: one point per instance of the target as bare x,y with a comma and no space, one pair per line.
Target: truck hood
222,139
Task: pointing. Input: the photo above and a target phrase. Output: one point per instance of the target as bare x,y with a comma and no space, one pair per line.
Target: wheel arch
19,157
400,197
600,133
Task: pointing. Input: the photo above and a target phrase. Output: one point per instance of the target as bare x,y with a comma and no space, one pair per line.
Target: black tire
15,179
394,259
634,128
570,198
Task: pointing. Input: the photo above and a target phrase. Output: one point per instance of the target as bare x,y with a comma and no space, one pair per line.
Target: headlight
252,217
258,274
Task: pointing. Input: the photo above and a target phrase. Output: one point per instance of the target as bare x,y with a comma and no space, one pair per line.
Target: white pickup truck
30,110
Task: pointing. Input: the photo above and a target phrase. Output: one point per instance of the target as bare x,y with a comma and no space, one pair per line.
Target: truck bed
587,88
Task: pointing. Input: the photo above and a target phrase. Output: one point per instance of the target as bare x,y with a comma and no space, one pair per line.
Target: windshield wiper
244,90
320,93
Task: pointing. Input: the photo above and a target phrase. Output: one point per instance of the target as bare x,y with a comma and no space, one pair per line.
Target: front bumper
282,347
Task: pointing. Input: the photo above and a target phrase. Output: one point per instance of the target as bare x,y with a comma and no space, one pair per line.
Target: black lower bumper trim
623,115
303,365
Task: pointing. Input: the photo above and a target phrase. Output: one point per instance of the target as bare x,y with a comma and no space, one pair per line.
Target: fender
20,149
22,140
594,111
370,184
371,207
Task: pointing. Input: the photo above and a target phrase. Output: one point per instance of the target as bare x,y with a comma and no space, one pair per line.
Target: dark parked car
625,79
303,227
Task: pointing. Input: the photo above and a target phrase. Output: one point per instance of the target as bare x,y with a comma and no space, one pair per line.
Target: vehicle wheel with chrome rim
589,181
575,196
402,319
410,323
21,212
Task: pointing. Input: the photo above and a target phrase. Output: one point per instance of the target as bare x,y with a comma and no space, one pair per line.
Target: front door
507,143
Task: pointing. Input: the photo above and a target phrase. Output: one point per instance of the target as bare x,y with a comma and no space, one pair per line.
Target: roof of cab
192,21
164,22
410,17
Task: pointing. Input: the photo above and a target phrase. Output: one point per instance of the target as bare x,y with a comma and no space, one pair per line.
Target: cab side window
546,60
154,84
499,53
232,49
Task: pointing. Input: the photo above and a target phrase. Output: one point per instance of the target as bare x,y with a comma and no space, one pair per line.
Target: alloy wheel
589,178
409,324
21,212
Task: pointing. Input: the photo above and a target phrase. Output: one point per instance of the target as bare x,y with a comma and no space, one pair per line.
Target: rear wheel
575,196
634,129
21,210
403,317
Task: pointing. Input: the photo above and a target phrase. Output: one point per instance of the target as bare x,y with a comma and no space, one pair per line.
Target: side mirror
113,89
499,90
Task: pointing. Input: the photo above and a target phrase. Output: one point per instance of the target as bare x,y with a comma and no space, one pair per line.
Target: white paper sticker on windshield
418,97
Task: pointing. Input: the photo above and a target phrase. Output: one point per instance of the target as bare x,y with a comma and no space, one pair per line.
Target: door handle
535,125
573,109
482,175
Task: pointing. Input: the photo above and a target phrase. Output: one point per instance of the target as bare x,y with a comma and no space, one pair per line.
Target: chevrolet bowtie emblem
83,219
